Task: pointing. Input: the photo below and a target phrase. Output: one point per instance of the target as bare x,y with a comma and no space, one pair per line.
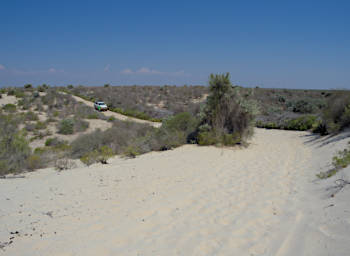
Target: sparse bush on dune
40,125
11,108
66,126
131,139
14,148
100,155
336,116
302,123
227,117
340,161
31,116
71,126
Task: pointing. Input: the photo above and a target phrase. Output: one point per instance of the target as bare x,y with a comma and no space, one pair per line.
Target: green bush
14,148
66,126
11,108
302,106
226,113
207,138
53,142
111,119
31,116
40,125
302,123
100,155
34,162
336,116
131,151
104,154
89,158
340,161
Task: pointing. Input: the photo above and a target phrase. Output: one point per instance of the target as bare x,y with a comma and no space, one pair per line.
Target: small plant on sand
40,125
100,155
11,108
131,151
66,126
64,164
340,161
34,162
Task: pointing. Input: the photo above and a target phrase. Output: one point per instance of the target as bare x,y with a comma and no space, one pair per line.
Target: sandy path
117,115
188,201
7,99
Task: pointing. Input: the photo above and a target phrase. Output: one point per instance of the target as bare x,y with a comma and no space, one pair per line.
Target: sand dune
259,200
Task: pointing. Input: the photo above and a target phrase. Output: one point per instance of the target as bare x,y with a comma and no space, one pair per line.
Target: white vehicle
100,106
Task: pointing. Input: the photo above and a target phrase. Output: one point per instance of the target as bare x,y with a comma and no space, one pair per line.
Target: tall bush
14,148
336,115
227,117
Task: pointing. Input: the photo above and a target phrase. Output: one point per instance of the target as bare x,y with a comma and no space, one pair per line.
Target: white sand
7,99
260,200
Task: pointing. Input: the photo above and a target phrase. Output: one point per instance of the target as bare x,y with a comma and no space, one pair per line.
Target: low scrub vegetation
302,123
340,161
71,126
336,116
11,108
14,148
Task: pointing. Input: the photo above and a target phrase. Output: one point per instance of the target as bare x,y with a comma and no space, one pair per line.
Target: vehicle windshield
101,103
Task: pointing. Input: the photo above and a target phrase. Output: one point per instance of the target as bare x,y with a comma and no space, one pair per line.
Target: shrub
40,125
34,162
53,142
131,151
302,123
100,155
31,116
14,148
89,158
207,138
64,164
66,126
111,119
225,112
336,115
28,86
104,154
302,106
340,161
11,108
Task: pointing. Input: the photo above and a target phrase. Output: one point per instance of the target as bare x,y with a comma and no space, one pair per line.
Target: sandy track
7,99
117,115
189,201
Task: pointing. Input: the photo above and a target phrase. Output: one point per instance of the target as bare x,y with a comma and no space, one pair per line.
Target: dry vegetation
45,127
145,102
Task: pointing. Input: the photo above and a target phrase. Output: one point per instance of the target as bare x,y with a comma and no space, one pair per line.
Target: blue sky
284,44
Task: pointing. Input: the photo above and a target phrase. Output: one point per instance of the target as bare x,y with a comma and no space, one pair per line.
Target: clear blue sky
285,44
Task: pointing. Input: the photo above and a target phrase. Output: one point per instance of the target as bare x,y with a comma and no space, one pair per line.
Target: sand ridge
258,200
